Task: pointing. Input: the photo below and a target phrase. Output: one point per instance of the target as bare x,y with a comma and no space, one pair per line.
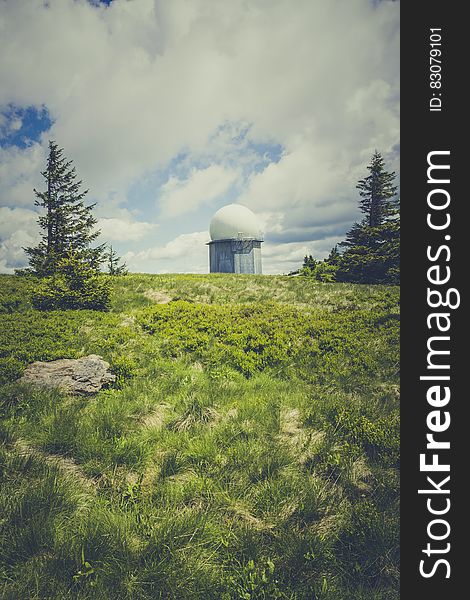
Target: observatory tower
235,245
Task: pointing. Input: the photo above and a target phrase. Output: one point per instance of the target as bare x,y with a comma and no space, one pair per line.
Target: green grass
249,449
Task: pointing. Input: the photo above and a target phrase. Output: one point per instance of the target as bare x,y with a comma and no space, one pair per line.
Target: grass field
249,450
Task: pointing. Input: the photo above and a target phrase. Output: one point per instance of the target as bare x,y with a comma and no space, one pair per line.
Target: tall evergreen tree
377,193
372,247
68,224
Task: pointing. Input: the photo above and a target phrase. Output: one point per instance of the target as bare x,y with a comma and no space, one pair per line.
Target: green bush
9,305
124,368
10,369
248,450
15,293
246,337
74,286
321,271
252,338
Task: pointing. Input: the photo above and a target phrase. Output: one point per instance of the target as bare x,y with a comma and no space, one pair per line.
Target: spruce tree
334,256
114,268
377,193
372,247
68,224
309,263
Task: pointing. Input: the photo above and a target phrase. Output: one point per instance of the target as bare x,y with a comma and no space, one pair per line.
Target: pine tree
320,270
309,262
372,247
114,268
377,193
68,224
334,256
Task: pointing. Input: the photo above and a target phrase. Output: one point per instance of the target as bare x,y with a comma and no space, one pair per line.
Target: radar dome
234,221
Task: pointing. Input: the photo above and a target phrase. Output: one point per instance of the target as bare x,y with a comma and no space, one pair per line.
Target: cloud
8,125
20,172
16,124
18,229
310,193
188,250
287,257
201,187
124,229
136,89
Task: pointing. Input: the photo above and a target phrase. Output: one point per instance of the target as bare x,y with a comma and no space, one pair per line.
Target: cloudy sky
172,108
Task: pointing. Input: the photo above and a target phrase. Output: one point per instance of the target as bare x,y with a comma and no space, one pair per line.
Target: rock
85,375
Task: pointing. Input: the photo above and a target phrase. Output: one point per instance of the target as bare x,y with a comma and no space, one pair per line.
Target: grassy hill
249,450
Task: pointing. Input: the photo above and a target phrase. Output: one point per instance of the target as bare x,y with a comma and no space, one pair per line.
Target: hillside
249,450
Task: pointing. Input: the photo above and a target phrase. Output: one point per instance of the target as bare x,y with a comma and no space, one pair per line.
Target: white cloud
8,125
307,194
16,124
134,86
13,220
18,229
201,187
20,172
186,253
287,257
124,229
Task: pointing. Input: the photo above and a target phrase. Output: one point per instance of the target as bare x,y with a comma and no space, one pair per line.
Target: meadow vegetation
249,449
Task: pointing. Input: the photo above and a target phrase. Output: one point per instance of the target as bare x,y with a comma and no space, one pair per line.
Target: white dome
234,221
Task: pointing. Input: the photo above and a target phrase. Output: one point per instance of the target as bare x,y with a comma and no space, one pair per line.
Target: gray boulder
85,375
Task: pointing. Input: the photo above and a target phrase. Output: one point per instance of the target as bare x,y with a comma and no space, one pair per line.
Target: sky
171,109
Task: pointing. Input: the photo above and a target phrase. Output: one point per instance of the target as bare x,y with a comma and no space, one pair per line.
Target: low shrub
248,450
124,367
9,305
75,285
269,335
10,369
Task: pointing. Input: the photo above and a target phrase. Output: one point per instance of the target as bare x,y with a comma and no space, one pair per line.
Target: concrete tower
235,245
